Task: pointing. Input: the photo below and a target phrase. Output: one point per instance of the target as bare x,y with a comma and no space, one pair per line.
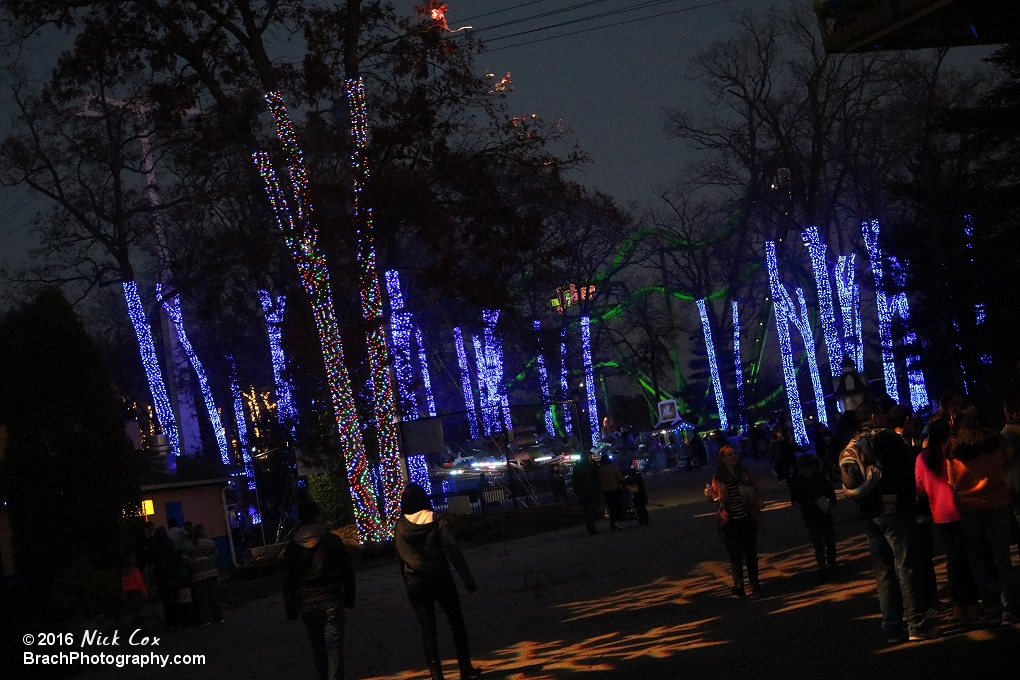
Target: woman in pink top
933,484
976,467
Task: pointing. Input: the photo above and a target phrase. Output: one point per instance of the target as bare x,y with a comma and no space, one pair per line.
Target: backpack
859,469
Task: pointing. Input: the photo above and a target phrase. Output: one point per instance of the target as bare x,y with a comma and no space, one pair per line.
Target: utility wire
498,11
594,28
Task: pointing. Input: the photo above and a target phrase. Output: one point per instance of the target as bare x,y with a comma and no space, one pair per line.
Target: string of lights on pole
273,310
739,366
294,220
153,373
713,366
172,305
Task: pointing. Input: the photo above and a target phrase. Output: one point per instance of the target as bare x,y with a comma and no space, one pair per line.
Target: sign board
668,413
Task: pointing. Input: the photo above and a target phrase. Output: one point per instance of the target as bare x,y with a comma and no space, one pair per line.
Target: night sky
609,86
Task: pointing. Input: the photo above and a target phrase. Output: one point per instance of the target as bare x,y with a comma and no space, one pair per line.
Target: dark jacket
805,491
317,572
426,550
585,480
166,563
897,475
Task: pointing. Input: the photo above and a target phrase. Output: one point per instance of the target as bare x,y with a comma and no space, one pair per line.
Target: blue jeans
895,553
993,526
326,634
207,597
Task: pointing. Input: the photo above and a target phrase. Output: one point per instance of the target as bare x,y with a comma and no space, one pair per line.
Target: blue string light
739,367
418,471
959,349
273,310
899,305
400,332
589,378
871,231
850,309
568,425
242,426
484,384
782,304
543,380
833,346
426,378
465,383
494,361
153,374
802,322
713,366
173,309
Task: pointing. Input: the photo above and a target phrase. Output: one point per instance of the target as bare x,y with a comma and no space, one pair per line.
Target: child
816,498
133,585
636,485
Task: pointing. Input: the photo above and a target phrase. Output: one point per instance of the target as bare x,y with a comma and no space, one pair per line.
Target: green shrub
83,590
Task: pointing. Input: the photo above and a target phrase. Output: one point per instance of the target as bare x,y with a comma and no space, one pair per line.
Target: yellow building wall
200,504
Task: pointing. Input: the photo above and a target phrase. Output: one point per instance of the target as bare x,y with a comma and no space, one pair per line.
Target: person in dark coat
816,498
318,583
636,484
166,565
425,549
585,480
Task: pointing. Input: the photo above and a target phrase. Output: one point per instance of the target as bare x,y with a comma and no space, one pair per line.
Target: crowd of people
176,564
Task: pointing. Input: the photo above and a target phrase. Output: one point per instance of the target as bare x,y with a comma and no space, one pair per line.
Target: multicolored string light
782,304
153,374
384,400
871,230
568,425
293,216
833,346
273,310
172,305
850,308
713,366
465,383
242,426
543,381
738,365
426,378
400,333
589,379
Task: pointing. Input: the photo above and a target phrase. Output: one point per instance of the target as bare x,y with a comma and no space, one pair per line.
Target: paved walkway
647,602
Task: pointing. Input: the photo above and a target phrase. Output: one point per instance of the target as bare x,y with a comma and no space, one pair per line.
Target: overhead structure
873,25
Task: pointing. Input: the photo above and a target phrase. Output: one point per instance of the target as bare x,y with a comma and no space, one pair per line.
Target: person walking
425,549
166,565
816,498
976,469
585,480
737,495
318,584
887,499
611,483
201,561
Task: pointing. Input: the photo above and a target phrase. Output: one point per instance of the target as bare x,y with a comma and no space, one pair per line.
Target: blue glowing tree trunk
242,426
739,366
820,267
273,310
784,313
153,373
850,309
426,377
713,365
173,309
465,383
871,231
543,379
400,334
589,379
568,425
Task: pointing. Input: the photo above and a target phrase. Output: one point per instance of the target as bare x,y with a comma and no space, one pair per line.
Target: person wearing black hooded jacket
425,549
318,583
